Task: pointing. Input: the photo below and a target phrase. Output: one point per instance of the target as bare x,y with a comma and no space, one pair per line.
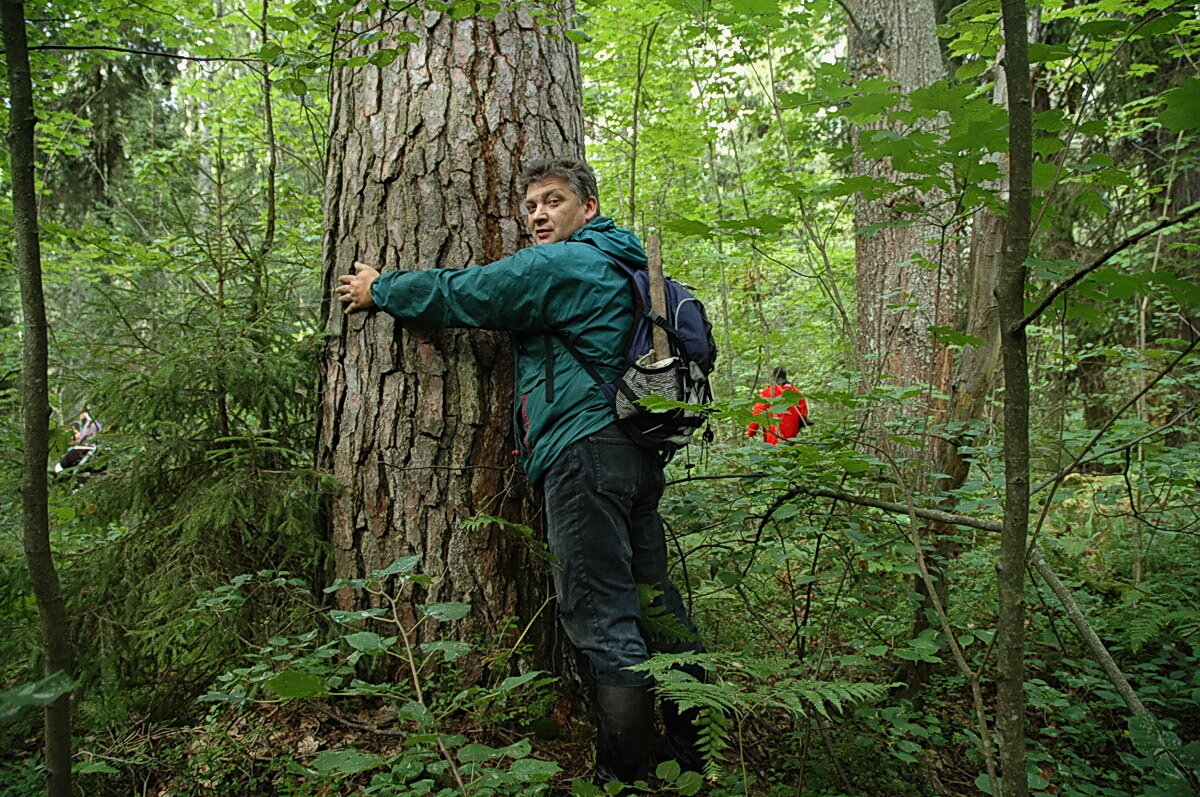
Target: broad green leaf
954,337
1052,270
269,51
971,70
729,578
869,187
404,564
296,684
348,583
513,681
1044,53
339,616
1048,145
580,786
533,770
346,762
382,58
369,642
1120,284
1085,311
1159,26
1104,28
786,512
285,24
940,96
293,86
668,770
851,463
14,702
874,97
790,99
449,648
412,710
1184,291
756,7
224,697
94,767
689,783
477,753
689,227
1044,174
1182,107
447,611
767,223
517,749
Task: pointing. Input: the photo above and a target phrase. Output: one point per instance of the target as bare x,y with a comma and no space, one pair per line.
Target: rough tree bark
35,400
905,257
424,157
906,260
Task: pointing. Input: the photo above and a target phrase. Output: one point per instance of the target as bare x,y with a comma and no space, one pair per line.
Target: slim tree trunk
1010,649
35,401
974,380
424,157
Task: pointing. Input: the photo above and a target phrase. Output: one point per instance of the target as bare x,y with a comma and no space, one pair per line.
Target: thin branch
937,515
850,16
1114,250
1100,433
134,51
1091,640
1157,430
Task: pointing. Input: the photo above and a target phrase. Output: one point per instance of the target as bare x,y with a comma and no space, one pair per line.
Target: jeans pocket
617,468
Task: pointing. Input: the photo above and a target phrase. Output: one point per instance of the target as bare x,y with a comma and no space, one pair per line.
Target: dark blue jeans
603,527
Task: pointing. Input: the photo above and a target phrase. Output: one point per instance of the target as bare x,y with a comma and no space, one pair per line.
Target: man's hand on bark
354,290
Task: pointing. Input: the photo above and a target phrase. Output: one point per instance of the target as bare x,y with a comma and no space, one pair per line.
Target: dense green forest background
845,582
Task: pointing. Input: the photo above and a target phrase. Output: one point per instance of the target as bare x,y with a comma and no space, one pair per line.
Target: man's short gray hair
577,173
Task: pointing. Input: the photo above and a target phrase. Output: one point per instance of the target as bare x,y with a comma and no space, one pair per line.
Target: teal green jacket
570,287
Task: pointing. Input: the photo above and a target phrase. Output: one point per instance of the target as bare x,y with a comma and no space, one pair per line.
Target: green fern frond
715,736
657,620
740,687
1144,624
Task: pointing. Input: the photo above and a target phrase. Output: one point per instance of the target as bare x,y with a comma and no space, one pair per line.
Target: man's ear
590,208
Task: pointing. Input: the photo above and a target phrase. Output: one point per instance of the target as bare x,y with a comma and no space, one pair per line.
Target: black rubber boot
625,717
681,740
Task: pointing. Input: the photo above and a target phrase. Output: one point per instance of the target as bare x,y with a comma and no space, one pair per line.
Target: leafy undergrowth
310,747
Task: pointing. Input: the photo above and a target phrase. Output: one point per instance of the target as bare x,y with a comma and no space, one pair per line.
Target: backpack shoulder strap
618,383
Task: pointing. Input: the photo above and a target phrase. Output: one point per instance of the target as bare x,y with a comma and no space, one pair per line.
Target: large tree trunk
905,253
35,400
424,157
906,266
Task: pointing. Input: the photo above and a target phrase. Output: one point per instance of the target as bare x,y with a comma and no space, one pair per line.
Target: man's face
554,211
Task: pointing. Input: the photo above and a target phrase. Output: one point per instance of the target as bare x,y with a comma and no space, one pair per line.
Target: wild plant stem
414,670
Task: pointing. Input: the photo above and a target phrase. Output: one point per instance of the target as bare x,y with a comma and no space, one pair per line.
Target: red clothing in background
785,423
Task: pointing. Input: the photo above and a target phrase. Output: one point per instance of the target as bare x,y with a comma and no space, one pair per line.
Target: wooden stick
658,297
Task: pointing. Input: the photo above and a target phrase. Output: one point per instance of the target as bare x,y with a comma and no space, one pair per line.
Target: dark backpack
684,378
